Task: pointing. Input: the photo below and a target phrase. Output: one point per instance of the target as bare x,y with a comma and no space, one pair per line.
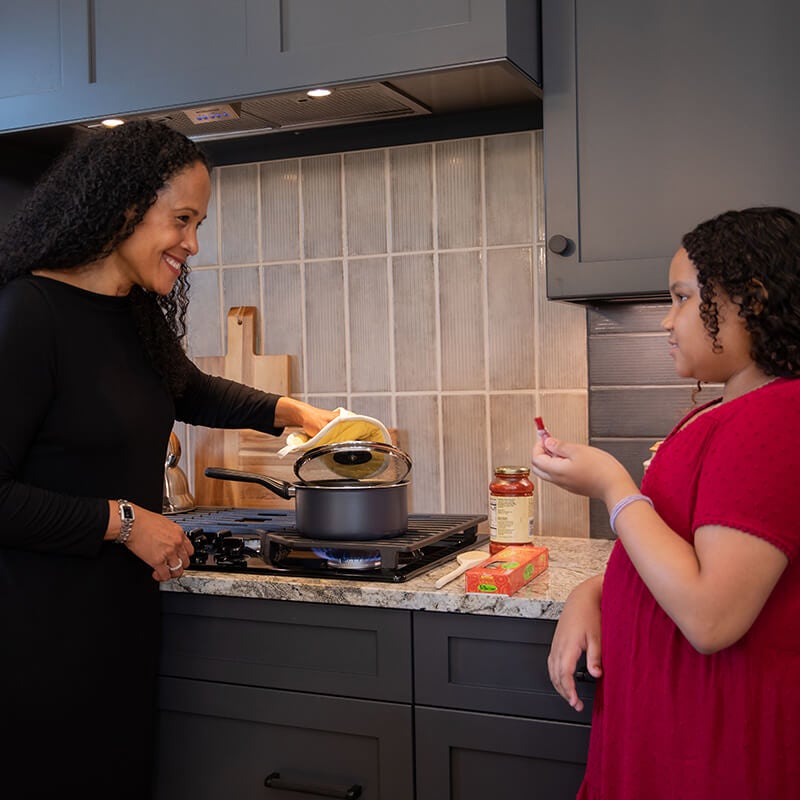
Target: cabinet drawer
218,741
492,664
338,650
467,756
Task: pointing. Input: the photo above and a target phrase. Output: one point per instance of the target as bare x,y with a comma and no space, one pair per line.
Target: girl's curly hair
753,256
89,202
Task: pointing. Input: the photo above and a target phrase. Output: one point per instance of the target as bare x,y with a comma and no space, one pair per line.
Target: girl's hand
156,540
577,632
582,470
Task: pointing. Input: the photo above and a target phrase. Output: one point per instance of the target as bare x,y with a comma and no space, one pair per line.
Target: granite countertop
571,561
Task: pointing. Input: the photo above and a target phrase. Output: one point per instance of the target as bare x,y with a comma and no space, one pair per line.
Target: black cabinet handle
585,676
273,781
558,244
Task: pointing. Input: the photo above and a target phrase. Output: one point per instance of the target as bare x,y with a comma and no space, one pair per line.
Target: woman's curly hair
88,203
753,256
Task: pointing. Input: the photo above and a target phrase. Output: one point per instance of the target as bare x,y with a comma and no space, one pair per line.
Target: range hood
491,85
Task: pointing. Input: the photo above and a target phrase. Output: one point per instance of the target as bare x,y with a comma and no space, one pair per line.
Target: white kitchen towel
347,427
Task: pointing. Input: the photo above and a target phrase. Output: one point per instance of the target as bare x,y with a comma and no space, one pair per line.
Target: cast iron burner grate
265,541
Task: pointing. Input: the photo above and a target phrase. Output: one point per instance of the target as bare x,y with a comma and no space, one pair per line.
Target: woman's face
690,343
151,257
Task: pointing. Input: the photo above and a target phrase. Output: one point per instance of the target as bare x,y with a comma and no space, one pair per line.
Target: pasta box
508,570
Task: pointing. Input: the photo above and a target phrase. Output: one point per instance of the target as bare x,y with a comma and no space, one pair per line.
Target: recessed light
318,92
112,123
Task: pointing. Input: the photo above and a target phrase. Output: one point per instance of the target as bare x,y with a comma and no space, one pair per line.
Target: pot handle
280,488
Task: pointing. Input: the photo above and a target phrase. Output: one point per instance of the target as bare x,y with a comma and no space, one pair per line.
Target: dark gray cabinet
486,716
402,704
75,60
656,117
320,695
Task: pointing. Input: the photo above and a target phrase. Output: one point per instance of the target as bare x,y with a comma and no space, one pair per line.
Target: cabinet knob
558,244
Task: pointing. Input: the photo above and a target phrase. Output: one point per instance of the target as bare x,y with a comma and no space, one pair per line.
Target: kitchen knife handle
273,781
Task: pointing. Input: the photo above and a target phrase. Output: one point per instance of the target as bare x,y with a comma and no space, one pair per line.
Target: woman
93,295
694,631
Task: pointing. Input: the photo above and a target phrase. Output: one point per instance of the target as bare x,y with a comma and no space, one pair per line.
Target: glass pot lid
353,462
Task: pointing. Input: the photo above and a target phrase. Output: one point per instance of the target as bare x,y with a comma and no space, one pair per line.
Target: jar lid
512,471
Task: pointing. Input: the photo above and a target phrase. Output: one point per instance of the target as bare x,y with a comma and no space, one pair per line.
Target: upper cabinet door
76,60
318,41
656,117
45,57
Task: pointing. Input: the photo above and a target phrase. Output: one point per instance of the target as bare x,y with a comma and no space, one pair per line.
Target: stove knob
233,547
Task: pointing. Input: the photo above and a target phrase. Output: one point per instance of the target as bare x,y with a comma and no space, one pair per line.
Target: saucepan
346,490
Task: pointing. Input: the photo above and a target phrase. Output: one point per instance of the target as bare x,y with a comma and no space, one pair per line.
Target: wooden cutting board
242,449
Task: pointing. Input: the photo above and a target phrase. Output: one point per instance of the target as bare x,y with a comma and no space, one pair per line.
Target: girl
694,630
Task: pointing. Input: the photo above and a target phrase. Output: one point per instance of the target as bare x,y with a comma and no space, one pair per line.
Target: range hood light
318,92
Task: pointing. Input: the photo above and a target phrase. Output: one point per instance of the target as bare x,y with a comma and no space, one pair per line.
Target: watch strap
127,518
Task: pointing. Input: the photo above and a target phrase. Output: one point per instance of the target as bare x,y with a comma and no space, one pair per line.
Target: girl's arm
577,632
712,591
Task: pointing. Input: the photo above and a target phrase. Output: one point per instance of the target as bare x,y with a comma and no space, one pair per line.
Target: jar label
511,519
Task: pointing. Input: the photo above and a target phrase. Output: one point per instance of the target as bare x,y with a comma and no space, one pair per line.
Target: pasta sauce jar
510,508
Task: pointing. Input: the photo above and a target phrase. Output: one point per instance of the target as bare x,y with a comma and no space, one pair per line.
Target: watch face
127,512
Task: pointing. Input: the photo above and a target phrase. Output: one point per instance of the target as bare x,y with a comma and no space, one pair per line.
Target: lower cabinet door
223,741
469,756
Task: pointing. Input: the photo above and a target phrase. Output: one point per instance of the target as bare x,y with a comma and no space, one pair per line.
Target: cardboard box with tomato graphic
507,571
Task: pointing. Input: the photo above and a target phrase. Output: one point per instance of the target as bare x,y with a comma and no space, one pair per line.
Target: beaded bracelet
626,501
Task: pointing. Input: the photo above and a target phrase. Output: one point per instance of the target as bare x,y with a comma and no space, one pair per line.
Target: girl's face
690,343
151,257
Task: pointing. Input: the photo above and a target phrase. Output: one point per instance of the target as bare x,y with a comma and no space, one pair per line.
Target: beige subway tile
509,189
418,435
461,304
280,210
466,468
511,319
325,328
365,199
378,406
322,206
282,320
411,181
538,185
513,430
561,338
458,193
370,325
203,319
561,513
415,334
238,199
208,232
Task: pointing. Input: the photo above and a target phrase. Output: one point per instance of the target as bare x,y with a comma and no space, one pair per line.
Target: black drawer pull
586,677
273,781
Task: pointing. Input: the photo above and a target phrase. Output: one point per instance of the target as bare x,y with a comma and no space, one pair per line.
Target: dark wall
635,397
24,157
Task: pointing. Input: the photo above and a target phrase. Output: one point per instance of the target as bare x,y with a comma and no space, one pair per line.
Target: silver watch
127,518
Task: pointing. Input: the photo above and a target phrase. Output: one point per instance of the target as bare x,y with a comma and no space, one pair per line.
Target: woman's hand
577,632
156,540
296,413
582,470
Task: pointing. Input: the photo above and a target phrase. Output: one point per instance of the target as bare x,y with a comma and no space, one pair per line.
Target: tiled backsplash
407,283
635,396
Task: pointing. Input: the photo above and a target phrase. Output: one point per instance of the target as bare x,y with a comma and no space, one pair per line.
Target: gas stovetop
265,541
